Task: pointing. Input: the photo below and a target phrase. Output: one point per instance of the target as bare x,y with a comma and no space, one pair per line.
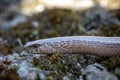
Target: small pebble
16,55
78,65
42,76
9,58
22,72
32,75
66,78
23,53
1,39
35,23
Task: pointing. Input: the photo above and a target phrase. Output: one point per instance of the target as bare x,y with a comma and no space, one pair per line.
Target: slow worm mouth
28,50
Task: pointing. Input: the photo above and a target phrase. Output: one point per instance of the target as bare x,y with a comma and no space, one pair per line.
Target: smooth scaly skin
102,46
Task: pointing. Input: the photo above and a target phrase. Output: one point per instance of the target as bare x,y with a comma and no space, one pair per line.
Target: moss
4,49
8,74
60,64
52,23
111,63
50,78
117,71
113,30
59,22
23,31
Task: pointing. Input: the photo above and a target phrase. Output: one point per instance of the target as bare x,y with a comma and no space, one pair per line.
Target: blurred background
47,18
22,21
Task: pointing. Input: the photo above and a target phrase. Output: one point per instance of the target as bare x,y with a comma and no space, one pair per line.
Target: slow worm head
102,46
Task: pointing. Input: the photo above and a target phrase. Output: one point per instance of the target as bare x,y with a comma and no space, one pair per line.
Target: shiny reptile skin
102,46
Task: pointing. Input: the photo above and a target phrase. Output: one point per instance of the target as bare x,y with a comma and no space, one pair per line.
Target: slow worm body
102,46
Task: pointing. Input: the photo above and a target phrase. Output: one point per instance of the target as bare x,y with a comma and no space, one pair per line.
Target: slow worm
102,46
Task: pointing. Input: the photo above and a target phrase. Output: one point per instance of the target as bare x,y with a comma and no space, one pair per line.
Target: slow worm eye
36,45
33,46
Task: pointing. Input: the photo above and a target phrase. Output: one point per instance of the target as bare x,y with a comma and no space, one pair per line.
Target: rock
1,58
42,76
32,75
9,58
98,72
26,71
98,17
35,24
23,53
11,17
66,78
1,39
22,72
16,55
